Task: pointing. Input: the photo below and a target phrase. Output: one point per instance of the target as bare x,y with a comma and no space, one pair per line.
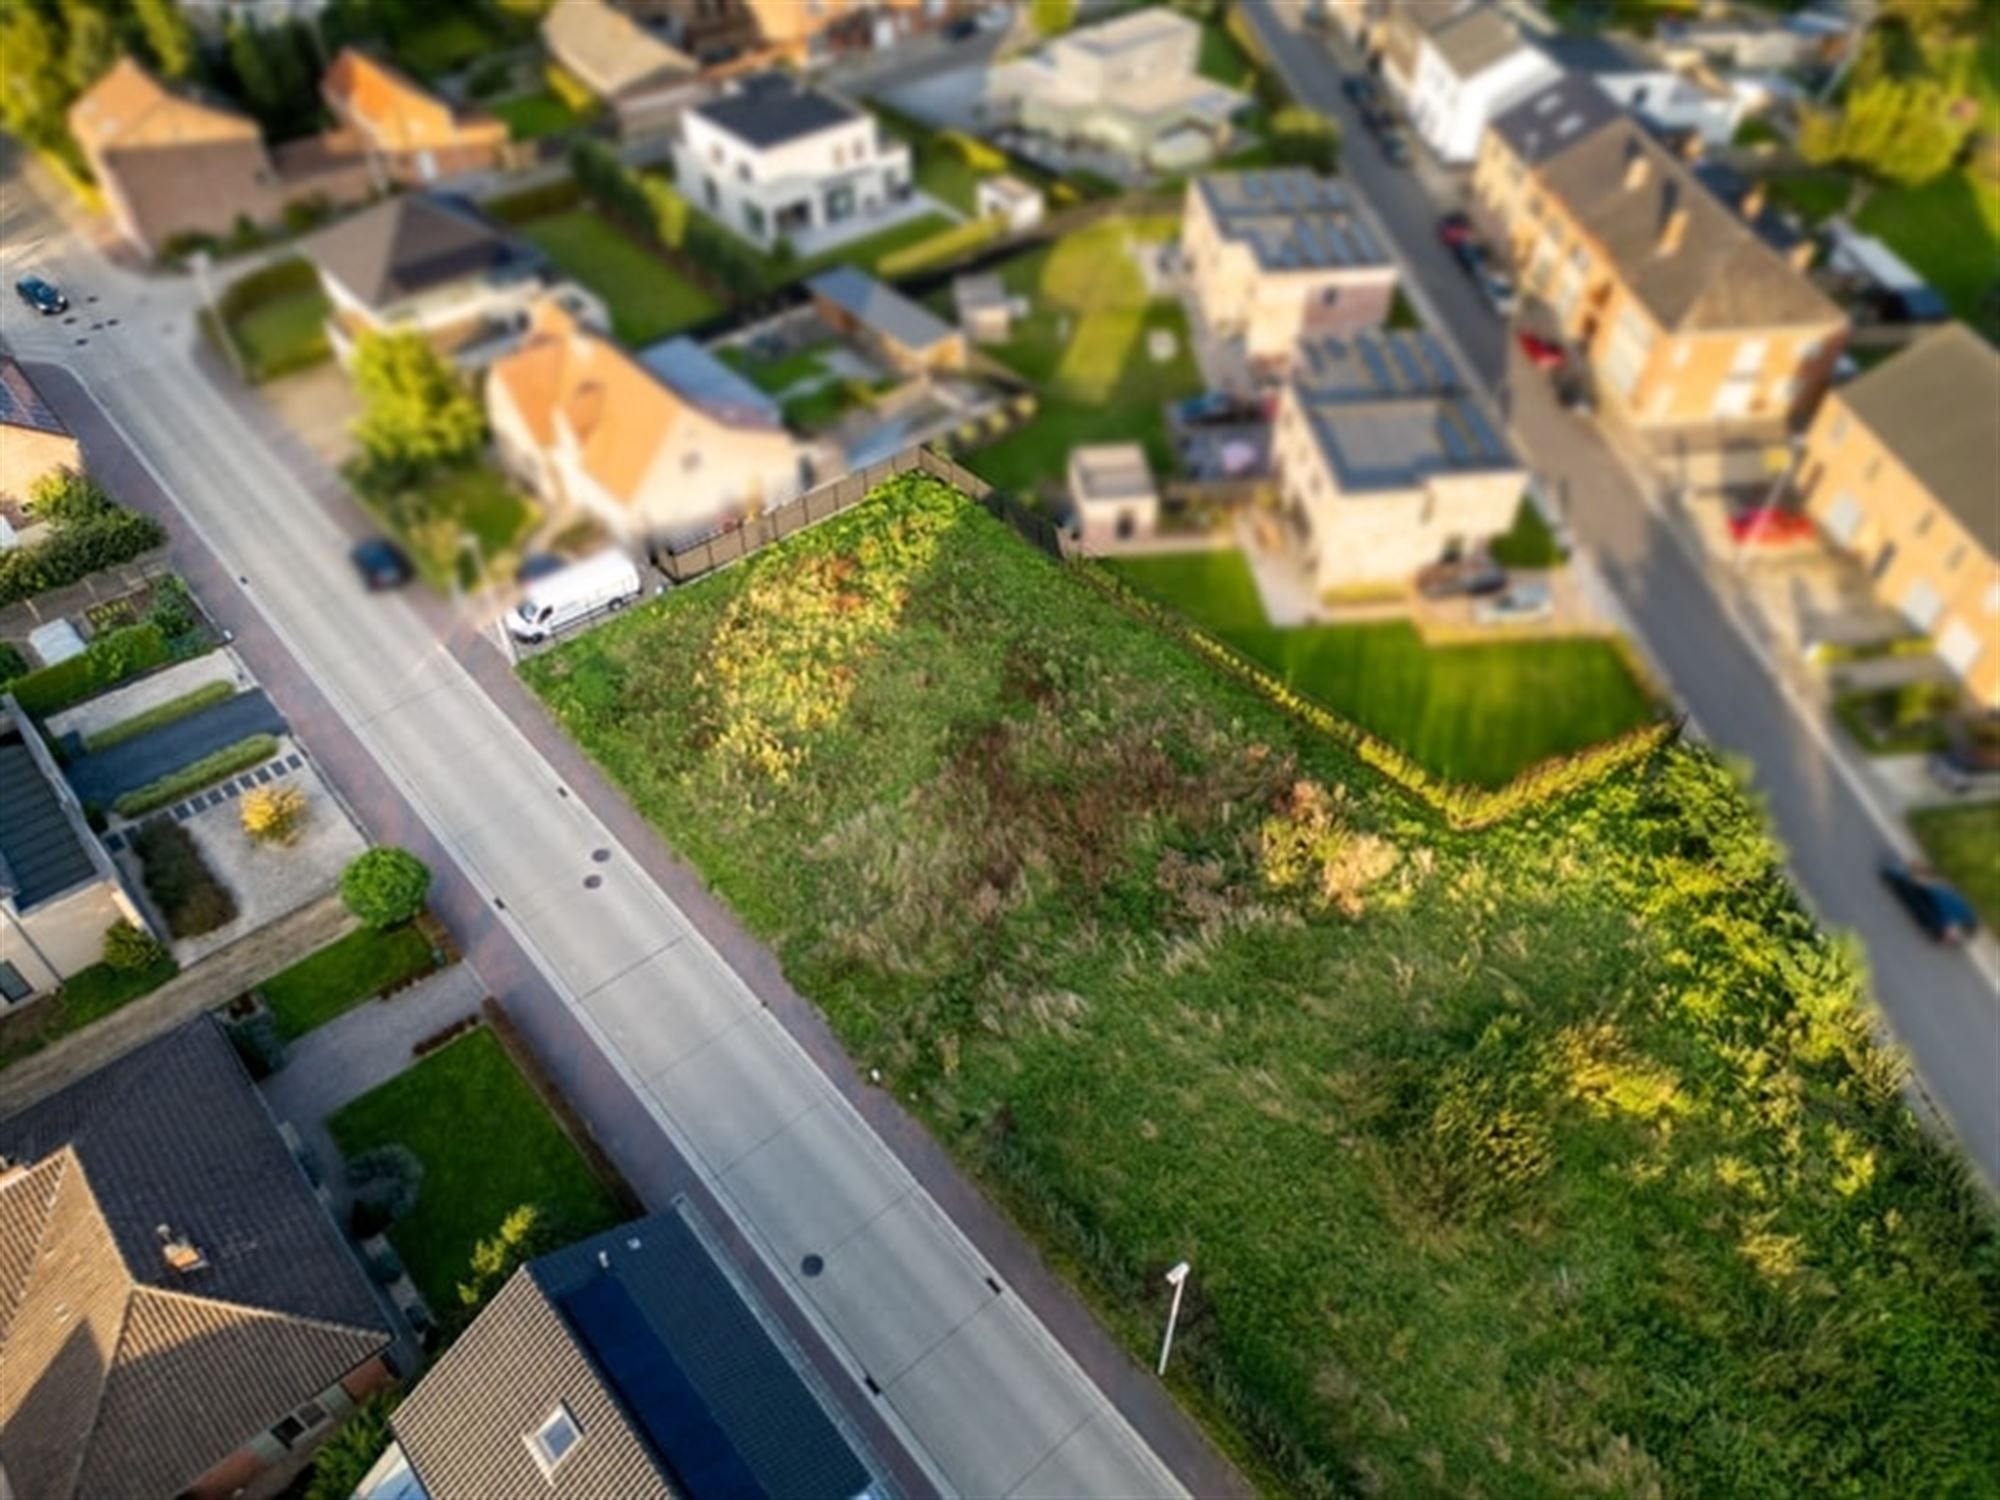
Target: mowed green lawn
487,1146
1555,1159
1964,844
1949,232
1084,346
648,299
342,975
531,116
282,335
1477,713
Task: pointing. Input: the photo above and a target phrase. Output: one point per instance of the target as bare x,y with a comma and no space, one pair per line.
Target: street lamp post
1177,1279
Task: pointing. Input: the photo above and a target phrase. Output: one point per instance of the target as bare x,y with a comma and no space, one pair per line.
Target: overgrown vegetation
1557,1156
86,532
182,886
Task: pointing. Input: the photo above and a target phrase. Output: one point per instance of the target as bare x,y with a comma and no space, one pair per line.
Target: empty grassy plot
647,298
1554,1157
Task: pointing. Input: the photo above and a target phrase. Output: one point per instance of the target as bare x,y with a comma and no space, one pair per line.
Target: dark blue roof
724,1408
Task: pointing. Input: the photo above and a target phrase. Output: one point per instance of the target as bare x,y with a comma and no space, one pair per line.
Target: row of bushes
946,245
86,532
268,284
655,208
244,753
1461,805
105,662
536,202
159,715
182,886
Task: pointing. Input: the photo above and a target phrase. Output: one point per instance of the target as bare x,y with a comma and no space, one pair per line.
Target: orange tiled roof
399,114
618,414
128,106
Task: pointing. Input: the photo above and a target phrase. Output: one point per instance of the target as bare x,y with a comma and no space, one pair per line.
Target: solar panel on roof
1253,185
1378,365
1411,368
1482,431
1457,444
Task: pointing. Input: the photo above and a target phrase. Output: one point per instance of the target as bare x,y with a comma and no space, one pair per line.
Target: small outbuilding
1008,197
985,310
907,334
1111,489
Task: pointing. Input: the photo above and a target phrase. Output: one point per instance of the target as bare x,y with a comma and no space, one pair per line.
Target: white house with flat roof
775,158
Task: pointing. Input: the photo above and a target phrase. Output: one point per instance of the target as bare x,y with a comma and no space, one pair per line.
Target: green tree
416,412
1908,130
91,46
1929,17
344,1459
1051,17
34,84
129,949
522,1235
251,62
168,36
385,886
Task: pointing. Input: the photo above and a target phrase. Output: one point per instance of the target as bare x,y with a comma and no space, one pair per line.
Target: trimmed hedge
212,767
282,278
205,696
77,547
109,660
948,245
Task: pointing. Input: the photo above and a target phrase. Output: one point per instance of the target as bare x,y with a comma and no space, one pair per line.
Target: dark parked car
1395,145
1470,254
964,29
381,564
1361,89
1971,762
1469,577
1573,389
1456,228
45,297
1938,908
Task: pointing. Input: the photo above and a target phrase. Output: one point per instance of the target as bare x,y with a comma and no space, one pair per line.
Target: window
301,1422
13,987
753,219
554,1440
1921,603
1959,647
715,155
743,171
709,193
1682,349
1749,358
839,204
1844,518
1924,525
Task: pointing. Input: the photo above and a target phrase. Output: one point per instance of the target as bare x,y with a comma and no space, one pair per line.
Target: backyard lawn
1084,346
342,975
1964,844
442,43
1479,713
648,299
532,116
433,514
487,1146
1949,232
1550,1159
284,334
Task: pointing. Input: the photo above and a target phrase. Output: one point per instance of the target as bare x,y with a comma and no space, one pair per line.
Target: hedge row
107,661
539,202
947,245
205,696
192,777
76,548
280,279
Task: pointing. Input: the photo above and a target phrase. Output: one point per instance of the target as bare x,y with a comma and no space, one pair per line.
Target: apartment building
1901,467
774,158
1274,255
1699,333
1383,461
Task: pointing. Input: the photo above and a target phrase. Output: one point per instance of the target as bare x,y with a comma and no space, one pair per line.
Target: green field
1558,1158
487,1146
1480,713
342,975
1083,346
648,299
1964,844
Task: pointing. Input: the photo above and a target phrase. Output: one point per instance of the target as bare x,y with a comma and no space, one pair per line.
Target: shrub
344,1459
522,1235
490,78
549,198
275,814
87,532
179,880
385,886
129,949
107,661
573,91
256,1040
206,696
1528,543
196,775
272,283
309,212
951,244
12,663
384,1184
174,613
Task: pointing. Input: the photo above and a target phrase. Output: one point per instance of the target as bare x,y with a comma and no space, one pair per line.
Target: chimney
1753,201
1673,231
179,1252
1801,255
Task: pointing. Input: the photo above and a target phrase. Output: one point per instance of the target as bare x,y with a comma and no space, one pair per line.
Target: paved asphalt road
962,1369
1943,1006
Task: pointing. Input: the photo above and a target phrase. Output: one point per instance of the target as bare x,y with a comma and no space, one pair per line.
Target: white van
610,580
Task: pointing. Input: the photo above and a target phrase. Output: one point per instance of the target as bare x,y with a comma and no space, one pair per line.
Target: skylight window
554,1440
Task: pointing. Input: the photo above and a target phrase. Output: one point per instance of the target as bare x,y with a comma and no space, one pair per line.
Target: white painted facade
817,190
1451,113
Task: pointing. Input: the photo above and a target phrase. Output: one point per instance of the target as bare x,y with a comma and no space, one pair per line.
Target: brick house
1278,254
170,162
1698,332
1384,463
409,136
1901,468
178,1310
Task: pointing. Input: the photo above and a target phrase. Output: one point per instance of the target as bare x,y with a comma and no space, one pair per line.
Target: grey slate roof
1291,218
1388,409
42,853
21,405
700,377
1595,53
1933,405
1555,118
675,1381
408,244
127,1376
768,109
1476,39
880,308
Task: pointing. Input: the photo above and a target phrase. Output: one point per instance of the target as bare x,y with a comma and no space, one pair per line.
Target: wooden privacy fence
693,560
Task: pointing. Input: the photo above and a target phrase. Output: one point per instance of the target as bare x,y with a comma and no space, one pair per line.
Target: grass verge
86,996
487,1146
344,974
